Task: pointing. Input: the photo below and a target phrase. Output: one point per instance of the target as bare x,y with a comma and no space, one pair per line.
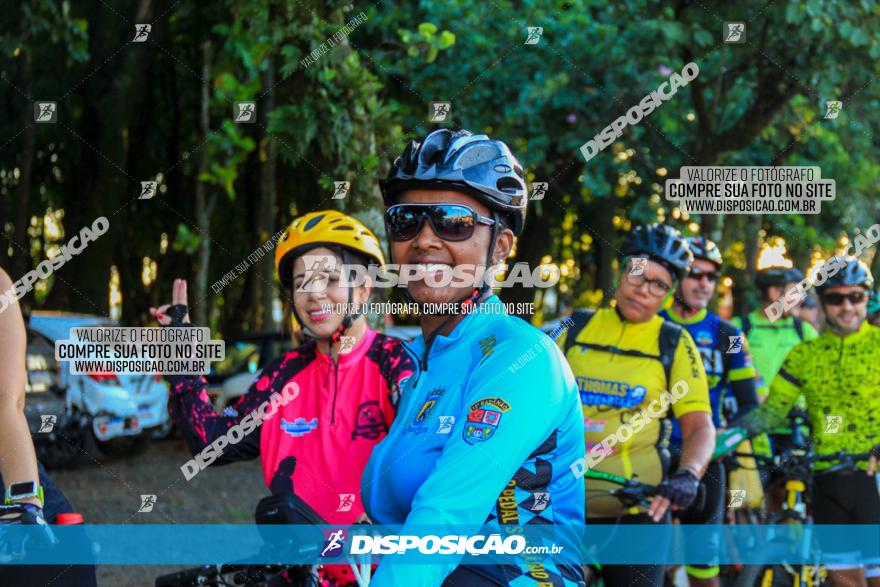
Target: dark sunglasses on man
836,299
698,275
450,222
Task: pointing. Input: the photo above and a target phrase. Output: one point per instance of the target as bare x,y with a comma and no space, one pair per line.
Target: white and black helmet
852,272
460,160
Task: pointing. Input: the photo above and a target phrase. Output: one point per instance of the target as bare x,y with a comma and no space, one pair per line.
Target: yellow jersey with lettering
626,400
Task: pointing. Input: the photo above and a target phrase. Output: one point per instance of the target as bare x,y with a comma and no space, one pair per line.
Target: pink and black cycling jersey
318,443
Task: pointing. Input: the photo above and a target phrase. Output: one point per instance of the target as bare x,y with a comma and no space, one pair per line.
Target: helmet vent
508,185
311,223
477,155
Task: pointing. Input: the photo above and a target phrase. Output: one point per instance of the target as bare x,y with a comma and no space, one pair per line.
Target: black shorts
846,498
712,512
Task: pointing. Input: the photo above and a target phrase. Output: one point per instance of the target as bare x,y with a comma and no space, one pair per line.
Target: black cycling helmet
703,248
852,272
460,160
770,276
660,243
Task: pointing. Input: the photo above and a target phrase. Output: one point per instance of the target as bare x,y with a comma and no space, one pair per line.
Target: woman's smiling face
433,254
316,306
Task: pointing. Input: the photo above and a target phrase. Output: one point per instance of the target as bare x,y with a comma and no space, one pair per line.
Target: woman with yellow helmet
343,393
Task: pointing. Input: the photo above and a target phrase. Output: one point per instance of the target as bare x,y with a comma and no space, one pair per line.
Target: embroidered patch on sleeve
483,419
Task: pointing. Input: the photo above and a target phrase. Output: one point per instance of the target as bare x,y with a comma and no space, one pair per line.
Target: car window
42,369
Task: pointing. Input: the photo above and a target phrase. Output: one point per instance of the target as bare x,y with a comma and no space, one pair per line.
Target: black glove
14,543
177,312
680,489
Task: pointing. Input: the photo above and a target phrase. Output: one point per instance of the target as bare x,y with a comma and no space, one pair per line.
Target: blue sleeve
508,411
741,376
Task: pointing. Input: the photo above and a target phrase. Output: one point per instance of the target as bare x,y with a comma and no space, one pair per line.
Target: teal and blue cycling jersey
725,354
485,437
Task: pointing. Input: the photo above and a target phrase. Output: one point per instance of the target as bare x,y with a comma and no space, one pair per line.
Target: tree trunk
21,261
204,203
604,243
268,202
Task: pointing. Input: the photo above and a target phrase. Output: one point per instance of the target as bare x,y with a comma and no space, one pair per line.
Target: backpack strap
746,324
580,319
799,328
667,342
670,334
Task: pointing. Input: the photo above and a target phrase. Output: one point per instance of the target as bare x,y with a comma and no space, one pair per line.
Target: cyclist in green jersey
770,340
838,375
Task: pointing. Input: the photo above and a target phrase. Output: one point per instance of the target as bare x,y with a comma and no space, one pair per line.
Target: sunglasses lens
709,276
449,221
452,223
403,223
836,299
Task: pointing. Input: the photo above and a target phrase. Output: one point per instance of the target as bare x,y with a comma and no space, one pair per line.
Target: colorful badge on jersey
370,421
591,425
483,419
299,427
704,339
417,426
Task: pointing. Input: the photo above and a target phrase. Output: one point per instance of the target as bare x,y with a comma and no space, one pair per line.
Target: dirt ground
107,491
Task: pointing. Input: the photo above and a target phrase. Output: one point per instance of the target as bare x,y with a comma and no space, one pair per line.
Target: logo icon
541,501
47,423
141,32
147,503
346,343
333,545
416,426
439,111
832,108
346,500
534,35
317,272
833,424
299,427
483,419
734,32
370,421
245,112
736,345
148,190
446,424
638,265
539,189
341,189
45,112
737,498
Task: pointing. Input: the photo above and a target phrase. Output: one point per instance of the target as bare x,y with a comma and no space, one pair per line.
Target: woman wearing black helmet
632,367
473,442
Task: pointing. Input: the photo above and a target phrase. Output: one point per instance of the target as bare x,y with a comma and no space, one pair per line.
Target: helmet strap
475,296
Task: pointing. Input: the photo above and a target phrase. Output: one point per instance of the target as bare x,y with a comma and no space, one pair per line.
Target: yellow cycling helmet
321,229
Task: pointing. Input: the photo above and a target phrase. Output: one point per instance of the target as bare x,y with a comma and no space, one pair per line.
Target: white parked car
121,412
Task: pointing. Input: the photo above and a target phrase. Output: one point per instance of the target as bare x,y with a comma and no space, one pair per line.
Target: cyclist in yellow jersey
634,370
838,375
